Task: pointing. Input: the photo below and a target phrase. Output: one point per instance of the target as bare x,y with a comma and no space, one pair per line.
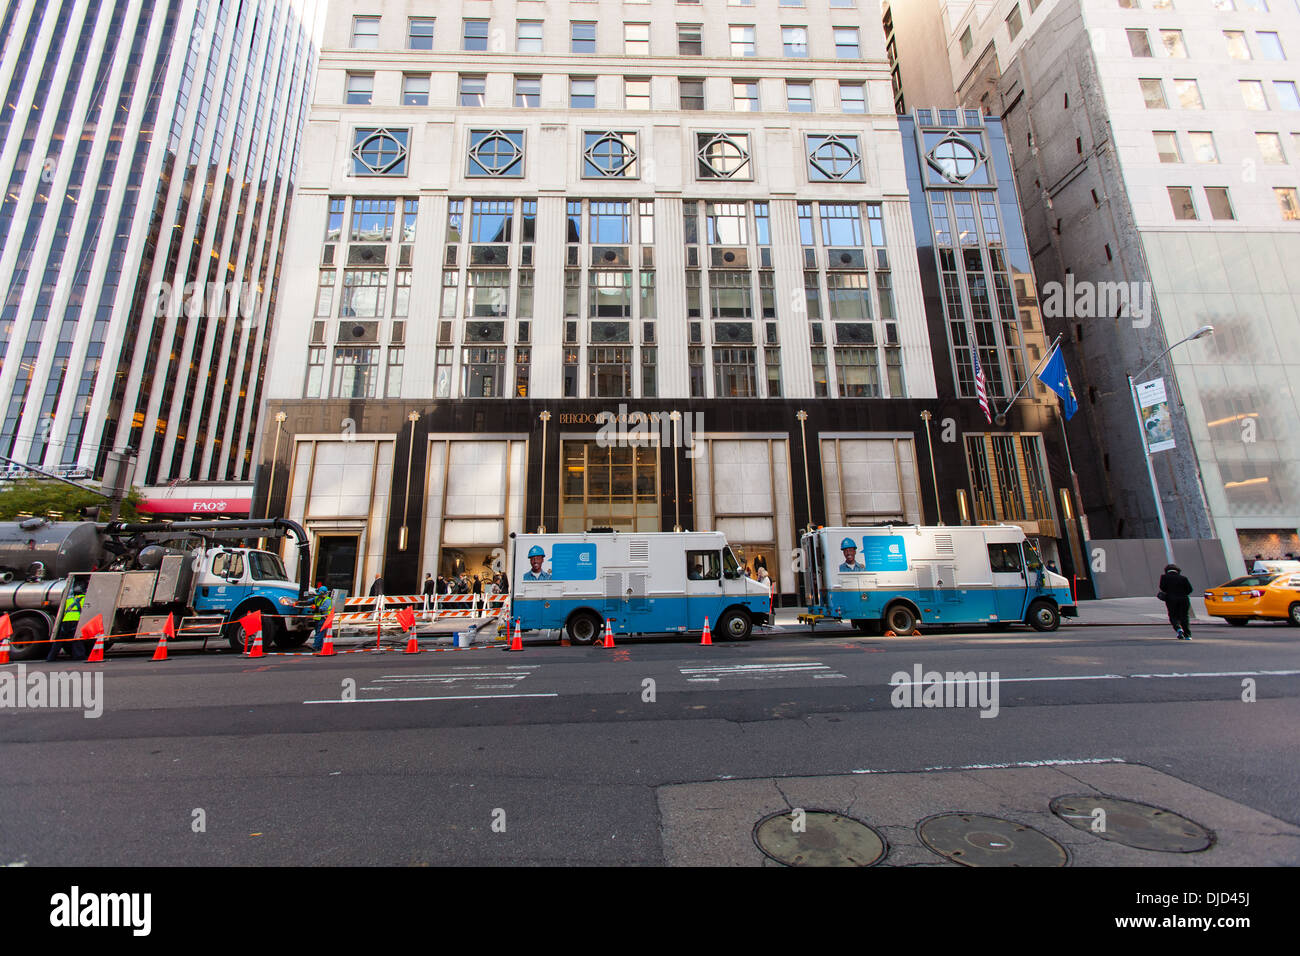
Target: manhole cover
972,839
1134,824
818,838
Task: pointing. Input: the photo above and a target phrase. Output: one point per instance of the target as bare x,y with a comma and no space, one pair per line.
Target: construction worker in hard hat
850,549
68,625
535,558
318,603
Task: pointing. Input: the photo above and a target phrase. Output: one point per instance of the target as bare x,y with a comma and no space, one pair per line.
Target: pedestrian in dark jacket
377,587
1177,591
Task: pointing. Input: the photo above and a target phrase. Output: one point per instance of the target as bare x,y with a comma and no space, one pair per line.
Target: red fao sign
191,506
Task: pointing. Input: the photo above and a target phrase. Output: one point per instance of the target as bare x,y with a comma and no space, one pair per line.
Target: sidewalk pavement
1109,612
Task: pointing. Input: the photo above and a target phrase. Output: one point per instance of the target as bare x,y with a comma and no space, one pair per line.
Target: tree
44,498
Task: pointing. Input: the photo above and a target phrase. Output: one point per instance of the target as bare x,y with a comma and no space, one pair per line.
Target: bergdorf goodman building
631,265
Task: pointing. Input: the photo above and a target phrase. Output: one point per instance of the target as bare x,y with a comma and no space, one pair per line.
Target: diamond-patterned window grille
497,153
609,155
955,158
380,152
723,156
835,159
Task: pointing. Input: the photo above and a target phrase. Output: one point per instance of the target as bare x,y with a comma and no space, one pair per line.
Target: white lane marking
741,668
1225,674
1031,680
713,674
388,700
1050,762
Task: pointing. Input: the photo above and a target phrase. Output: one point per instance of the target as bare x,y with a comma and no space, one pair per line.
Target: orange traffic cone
517,642
706,639
160,652
327,645
609,635
256,650
4,650
412,645
97,652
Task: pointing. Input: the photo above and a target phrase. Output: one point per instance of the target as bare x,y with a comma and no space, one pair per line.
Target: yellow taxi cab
1269,596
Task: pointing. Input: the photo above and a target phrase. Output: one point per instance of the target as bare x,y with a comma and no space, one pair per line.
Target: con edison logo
77,909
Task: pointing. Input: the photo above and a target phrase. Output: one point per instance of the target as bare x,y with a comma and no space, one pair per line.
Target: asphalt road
569,755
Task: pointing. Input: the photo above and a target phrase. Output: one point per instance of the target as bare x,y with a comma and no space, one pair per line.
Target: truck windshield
266,566
1032,561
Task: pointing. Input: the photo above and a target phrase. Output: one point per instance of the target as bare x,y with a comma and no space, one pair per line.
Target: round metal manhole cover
972,839
1134,824
818,838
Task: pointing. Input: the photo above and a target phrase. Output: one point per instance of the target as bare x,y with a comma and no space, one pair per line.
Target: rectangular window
372,220
689,39
1167,146
1287,203
1287,97
1180,197
1270,147
853,97
528,92
742,41
609,370
483,372
858,372
361,86
475,36
472,89
582,94
1153,92
419,34
846,43
636,39
356,373
798,97
1189,94
415,90
582,37
1252,94
1138,44
744,96
1237,48
734,373
967,42
1203,147
636,94
794,41
1270,47
1220,204
528,36
1014,22
1172,40
396,359
365,33
692,94
325,293
402,293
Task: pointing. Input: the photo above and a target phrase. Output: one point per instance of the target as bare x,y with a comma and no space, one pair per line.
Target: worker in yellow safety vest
68,625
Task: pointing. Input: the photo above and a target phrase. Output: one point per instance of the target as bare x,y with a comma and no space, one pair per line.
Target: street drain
818,838
1134,824
972,839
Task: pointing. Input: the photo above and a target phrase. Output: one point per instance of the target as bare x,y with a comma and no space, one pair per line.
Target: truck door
225,583
1008,582
704,593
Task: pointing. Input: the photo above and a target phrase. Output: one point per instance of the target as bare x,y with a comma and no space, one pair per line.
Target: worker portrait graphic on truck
536,557
849,548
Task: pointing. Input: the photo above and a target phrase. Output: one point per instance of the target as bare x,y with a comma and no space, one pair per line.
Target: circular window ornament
380,152
955,159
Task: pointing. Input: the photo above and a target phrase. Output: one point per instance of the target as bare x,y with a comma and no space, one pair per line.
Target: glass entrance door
608,487
336,561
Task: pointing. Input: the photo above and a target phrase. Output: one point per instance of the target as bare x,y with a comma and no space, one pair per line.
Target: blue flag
1054,375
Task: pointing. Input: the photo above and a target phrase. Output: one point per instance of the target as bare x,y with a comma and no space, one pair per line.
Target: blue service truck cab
642,583
897,577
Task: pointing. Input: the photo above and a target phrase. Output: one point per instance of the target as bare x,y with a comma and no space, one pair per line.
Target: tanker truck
135,575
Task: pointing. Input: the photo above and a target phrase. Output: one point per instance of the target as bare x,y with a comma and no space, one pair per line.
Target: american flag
981,386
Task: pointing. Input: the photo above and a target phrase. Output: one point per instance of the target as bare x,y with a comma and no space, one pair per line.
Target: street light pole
411,417
1203,331
280,418
938,510
676,417
541,517
803,437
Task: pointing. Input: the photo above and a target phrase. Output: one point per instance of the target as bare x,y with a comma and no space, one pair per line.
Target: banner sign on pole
1157,424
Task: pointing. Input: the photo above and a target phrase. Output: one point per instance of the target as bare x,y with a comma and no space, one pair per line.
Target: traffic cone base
327,645
890,634
256,650
517,642
97,652
160,652
4,651
706,639
412,645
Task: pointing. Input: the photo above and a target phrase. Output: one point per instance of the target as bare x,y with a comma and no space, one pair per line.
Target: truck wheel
900,619
29,629
1043,616
735,625
584,627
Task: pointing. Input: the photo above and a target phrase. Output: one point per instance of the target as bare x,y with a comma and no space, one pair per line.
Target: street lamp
1200,333
280,419
541,517
938,513
676,417
803,435
411,417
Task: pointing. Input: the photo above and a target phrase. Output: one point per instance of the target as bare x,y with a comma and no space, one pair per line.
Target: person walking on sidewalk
1176,592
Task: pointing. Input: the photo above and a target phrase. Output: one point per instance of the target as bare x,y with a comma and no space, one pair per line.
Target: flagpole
1030,377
